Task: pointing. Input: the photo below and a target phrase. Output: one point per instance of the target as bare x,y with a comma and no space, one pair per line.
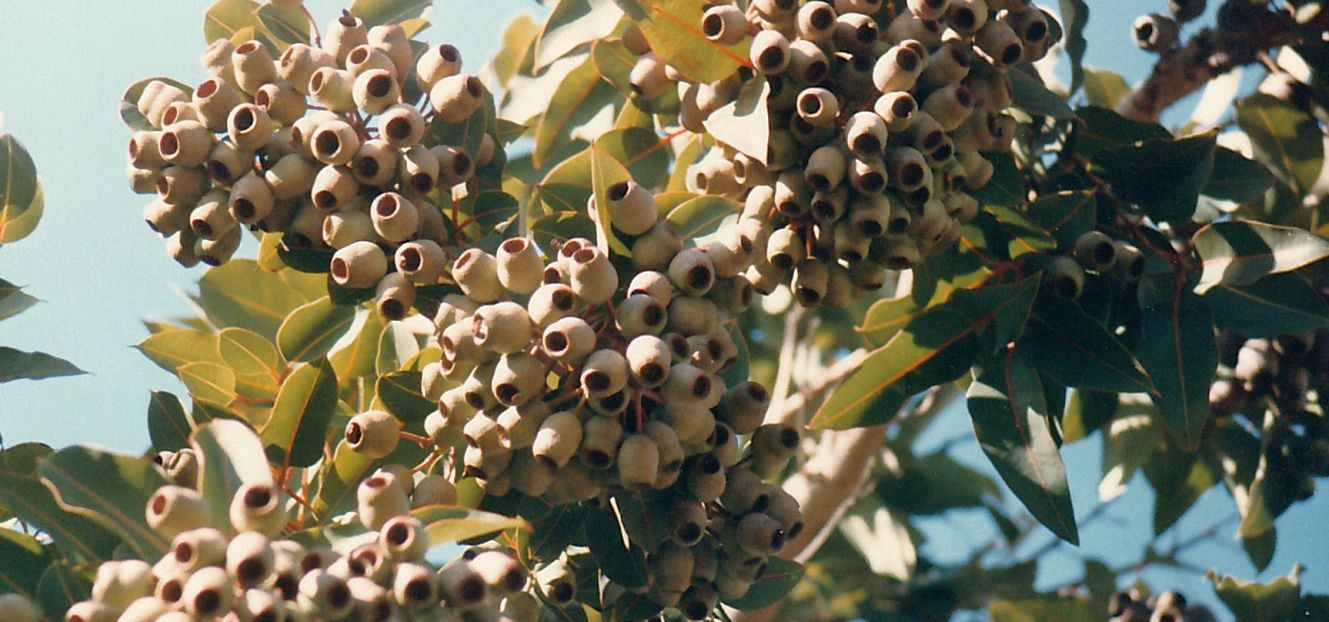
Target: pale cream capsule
253,66
439,62
299,62
333,88
358,265
455,98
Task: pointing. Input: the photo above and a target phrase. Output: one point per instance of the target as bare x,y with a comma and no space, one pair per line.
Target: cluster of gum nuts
323,144
1163,607
878,125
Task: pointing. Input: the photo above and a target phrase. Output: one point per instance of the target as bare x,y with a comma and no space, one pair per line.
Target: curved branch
1243,32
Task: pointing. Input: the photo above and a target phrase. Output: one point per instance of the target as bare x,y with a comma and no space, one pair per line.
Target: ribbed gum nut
518,379
631,207
476,272
145,150
433,489
381,497
324,595
461,586
333,188
950,106
401,125
724,24
335,142
421,261
593,278
690,315
299,62
372,434
654,249
1065,277
897,109
605,372
503,327
365,58
638,461
569,340
948,64
559,438
600,442
249,558
333,88
520,269
349,225
374,163
292,176
375,90
253,66
395,218
671,451
454,165
344,34
809,284
816,21
210,219
653,284
358,265
156,96
119,583
258,507
817,106
175,509
551,302
705,478
998,44
456,97
438,62
769,52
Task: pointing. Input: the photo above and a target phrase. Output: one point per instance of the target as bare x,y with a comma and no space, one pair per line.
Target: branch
1242,33
786,409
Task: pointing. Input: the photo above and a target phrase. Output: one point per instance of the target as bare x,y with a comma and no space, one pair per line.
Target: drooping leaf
1236,178
1284,137
781,576
338,479
1034,98
1076,15
1178,479
561,226
75,535
1127,443
1009,414
624,562
168,425
1273,305
578,98
446,524
1164,177
25,561
1025,235
744,123
12,300
1178,351
294,435
310,331
1065,343
1241,252
672,27
21,197
378,12
1007,307
934,282
20,365
80,478
229,456
574,23
1102,129
284,26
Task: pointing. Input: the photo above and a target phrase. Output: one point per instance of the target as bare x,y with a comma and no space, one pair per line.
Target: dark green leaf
1242,252
744,123
1164,177
81,477
23,458
400,394
934,484
934,283
1076,13
1067,344
25,561
21,197
1009,413
1102,129
556,530
1006,187
357,358
310,331
168,425
1067,215
1236,178
294,435
781,576
1036,99
1178,479
623,562
60,587
1006,306
1284,137
76,536
12,300
574,23
20,365
1276,304
1275,601
1177,349
1260,549
561,226
1127,444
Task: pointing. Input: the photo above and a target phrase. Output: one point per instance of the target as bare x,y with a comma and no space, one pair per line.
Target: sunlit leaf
744,123
294,435
377,12
310,331
673,29
213,382
572,24
1242,252
229,456
1284,137
446,523
239,294
80,478
21,197
702,216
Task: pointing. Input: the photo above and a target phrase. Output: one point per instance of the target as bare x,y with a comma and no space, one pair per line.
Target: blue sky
100,271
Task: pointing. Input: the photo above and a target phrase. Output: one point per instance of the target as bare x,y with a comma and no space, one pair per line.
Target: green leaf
249,353
1164,177
1076,13
284,26
622,561
75,535
605,172
21,197
400,394
230,455
240,294
1007,307
934,484
20,365
1275,601
1026,236
1178,351
1127,444
12,300
1066,215
356,359
338,479
310,331
1068,609
23,458
60,587
572,24
81,478
1285,138
173,349
579,97
25,561
934,282
567,187
744,123
702,216
781,576
225,18
1273,305
1105,89
446,524
518,49
644,153
671,27
208,381
1241,252
933,349
561,226
1102,129
294,435
168,425
1236,178
379,12
1179,480
1009,413
1067,344
129,101
1034,98
1007,187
